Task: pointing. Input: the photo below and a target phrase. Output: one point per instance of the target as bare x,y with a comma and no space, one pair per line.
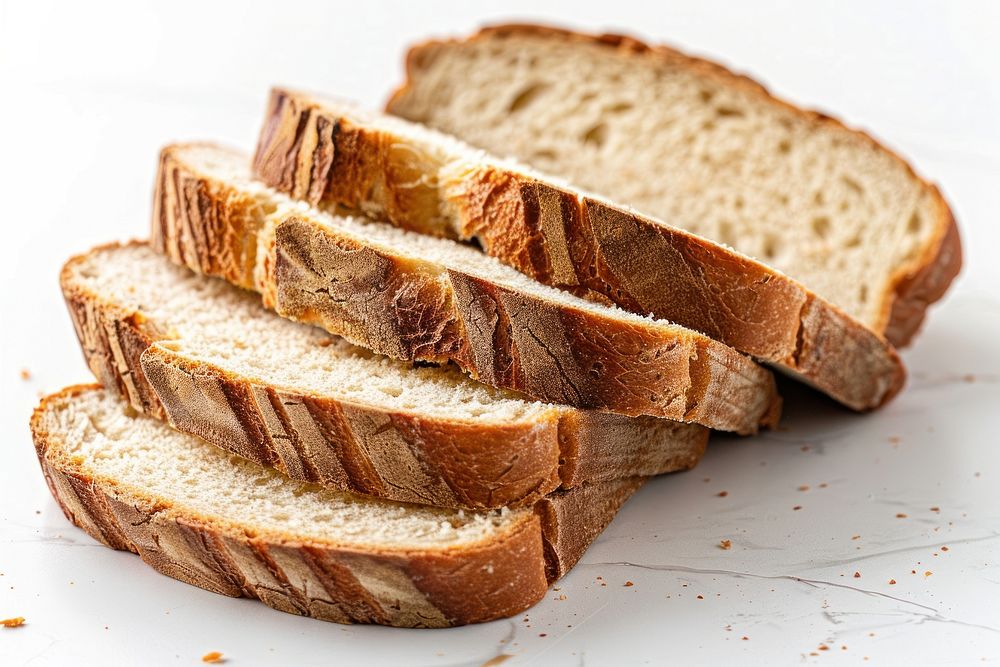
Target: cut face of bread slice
211,360
416,297
214,520
704,149
331,154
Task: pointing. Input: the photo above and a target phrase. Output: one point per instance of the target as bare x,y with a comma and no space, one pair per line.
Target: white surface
87,96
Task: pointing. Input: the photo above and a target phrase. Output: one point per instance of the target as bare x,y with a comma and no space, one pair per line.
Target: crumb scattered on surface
213,658
823,647
823,485
892,582
944,548
797,507
804,448
562,596
900,515
745,638
722,494
629,583
935,509
25,374
15,622
804,487
726,544
855,537
701,597
857,575
927,574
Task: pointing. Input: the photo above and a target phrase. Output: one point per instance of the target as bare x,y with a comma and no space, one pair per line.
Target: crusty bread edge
310,150
395,454
913,287
496,577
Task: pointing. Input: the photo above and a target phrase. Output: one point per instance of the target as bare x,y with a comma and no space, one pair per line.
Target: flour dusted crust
367,448
419,310
406,588
590,247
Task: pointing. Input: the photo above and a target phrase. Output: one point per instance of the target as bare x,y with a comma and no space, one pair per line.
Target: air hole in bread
596,135
821,226
543,154
819,198
728,112
863,294
853,242
914,224
618,107
771,247
784,146
852,184
706,95
527,96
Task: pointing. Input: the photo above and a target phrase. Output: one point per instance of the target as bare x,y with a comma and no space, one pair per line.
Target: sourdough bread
416,297
707,150
208,358
214,520
334,155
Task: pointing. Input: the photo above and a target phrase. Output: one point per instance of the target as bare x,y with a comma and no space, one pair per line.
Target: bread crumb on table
722,494
15,622
213,658
857,575
629,583
25,374
726,544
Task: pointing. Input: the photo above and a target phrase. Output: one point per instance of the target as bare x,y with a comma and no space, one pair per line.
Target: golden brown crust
417,310
512,339
574,242
364,448
470,584
917,284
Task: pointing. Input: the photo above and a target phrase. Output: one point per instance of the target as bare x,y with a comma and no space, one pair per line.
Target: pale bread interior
212,322
689,147
99,436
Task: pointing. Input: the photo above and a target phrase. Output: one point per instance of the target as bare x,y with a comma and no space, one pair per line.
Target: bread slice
415,297
214,520
707,150
211,360
334,155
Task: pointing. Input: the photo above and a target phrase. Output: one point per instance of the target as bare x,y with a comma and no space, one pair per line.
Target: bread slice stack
373,374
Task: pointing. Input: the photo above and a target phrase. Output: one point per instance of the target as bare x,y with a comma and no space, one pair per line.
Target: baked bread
415,297
707,150
209,518
331,155
211,360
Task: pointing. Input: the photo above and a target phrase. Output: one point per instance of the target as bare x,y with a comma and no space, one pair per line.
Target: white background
90,91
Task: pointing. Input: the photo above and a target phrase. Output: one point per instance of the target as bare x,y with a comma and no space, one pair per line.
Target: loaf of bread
209,518
416,297
208,358
334,155
704,149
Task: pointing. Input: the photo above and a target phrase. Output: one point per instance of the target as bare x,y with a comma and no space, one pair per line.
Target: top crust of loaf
331,156
914,285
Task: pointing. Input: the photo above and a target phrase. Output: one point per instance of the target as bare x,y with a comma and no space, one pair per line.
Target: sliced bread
214,520
416,297
211,360
334,155
707,150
